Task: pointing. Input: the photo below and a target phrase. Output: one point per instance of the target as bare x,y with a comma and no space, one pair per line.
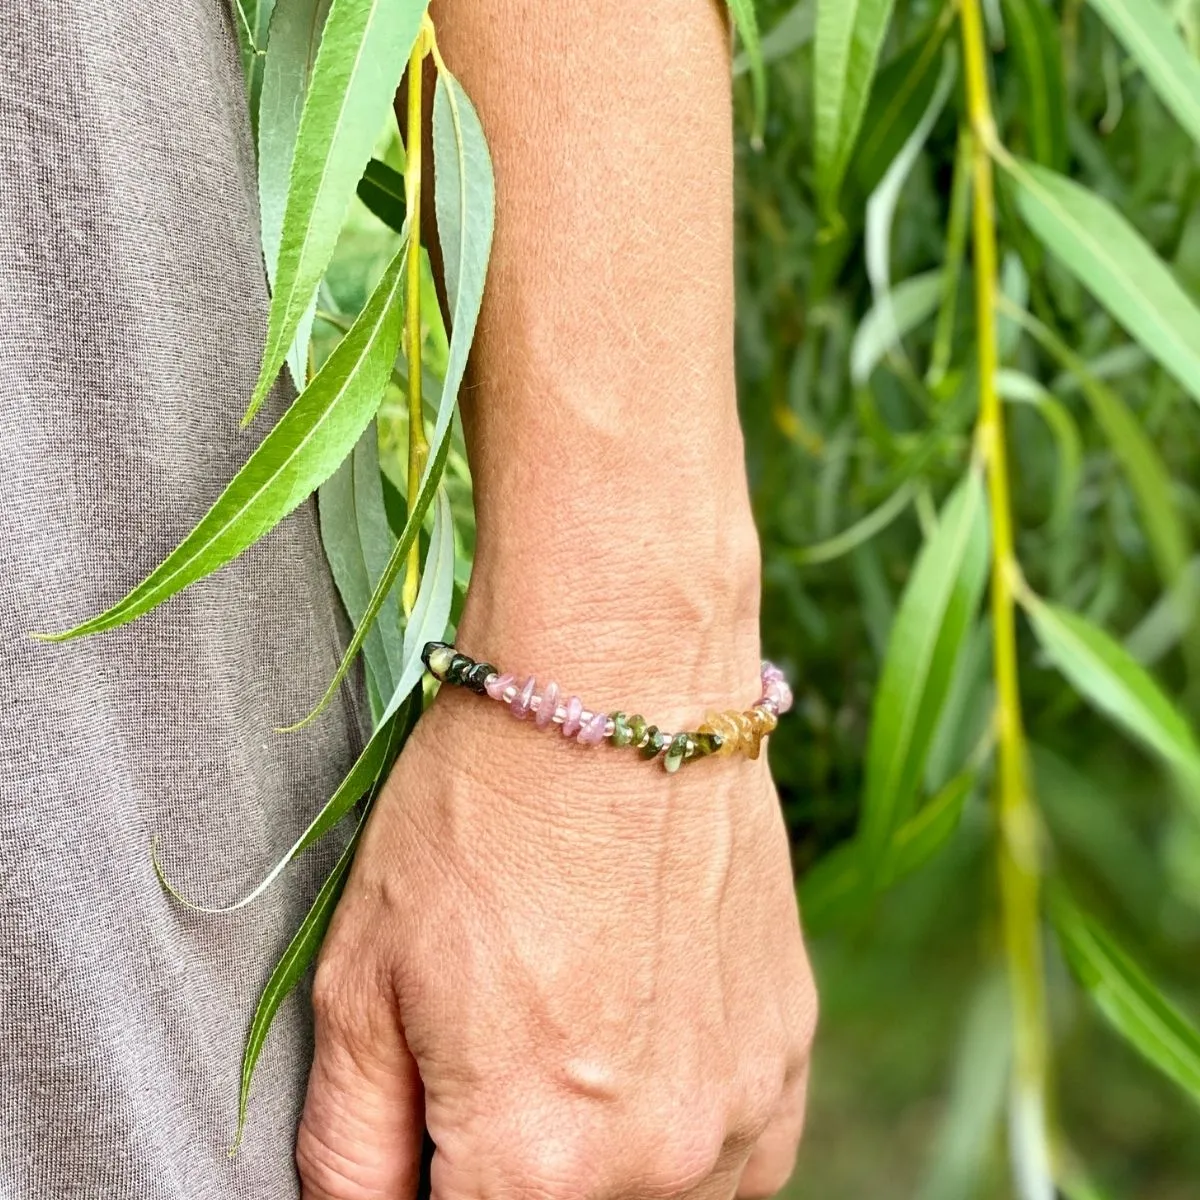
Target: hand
585,976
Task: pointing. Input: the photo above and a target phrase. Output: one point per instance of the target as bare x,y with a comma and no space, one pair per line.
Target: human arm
582,974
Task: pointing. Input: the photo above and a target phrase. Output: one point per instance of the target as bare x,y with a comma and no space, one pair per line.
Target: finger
773,1158
360,1136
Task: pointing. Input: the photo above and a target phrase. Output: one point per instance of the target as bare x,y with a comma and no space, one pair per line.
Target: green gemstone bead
622,735
654,742
706,743
638,727
676,753
439,659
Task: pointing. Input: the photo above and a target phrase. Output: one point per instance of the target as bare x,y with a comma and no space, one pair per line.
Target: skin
586,977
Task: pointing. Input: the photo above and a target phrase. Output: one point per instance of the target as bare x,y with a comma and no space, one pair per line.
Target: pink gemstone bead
770,672
496,686
780,695
571,725
547,705
592,734
522,700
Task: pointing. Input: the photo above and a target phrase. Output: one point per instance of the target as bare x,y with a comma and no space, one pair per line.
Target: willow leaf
933,619
253,37
881,207
295,34
899,99
297,456
431,612
358,541
844,881
364,46
1105,674
746,21
381,189
387,581
792,31
1146,31
376,537
297,958
1127,998
465,203
902,310
365,778
1018,388
1149,479
1112,260
1037,49
861,531
849,36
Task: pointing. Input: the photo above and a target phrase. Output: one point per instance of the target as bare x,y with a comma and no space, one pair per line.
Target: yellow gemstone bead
720,724
747,743
764,719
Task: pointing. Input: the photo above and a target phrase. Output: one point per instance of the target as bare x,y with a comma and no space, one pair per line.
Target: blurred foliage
908,978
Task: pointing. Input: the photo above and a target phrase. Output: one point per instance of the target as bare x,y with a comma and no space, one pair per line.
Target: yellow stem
418,445
1017,815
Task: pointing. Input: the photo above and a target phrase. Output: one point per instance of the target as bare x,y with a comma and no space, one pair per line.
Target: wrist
672,626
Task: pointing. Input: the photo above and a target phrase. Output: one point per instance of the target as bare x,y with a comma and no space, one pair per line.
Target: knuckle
758,1100
550,1164
767,1174
688,1152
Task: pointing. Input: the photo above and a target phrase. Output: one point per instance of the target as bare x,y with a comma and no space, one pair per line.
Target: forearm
614,523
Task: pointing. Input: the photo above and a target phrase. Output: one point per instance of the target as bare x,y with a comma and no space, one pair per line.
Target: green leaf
297,958
465,202
365,778
363,51
297,456
1037,50
1166,531
387,581
933,619
900,98
982,1070
861,531
1146,31
1017,388
431,612
1096,244
295,34
1104,673
252,34
358,542
1126,997
381,189
844,881
746,21
891,318
792,31
881,207
849,36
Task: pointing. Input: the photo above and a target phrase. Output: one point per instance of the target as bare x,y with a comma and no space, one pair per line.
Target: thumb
360,1136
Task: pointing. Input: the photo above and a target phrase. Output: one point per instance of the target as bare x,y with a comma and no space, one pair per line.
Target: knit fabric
132,315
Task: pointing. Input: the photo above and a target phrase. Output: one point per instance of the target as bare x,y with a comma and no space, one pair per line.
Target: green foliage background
909,1093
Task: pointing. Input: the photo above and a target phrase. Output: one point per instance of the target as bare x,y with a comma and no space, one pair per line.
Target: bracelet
721,734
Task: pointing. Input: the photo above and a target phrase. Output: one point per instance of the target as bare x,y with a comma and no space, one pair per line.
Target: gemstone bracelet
721,734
